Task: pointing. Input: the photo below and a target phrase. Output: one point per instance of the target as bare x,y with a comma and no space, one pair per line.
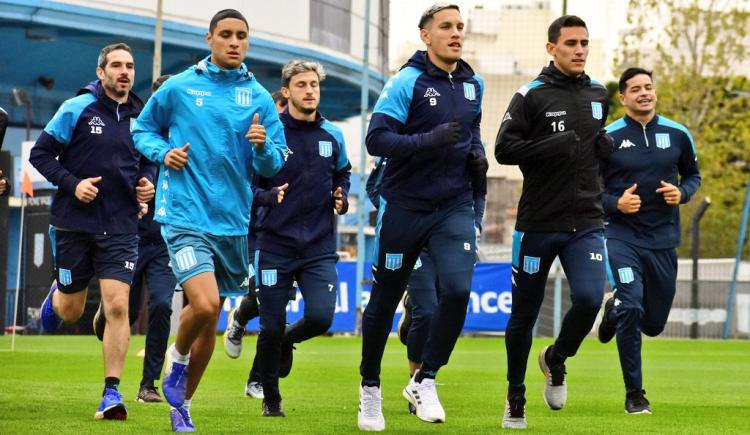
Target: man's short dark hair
629,74
279,98
102,60
159,81
429,14
224,14
553,33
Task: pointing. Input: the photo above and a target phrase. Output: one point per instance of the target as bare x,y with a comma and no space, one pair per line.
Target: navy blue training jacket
413,102
303,224
91,136
646,155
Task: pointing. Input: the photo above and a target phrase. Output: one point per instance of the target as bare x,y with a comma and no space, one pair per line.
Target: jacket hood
97,90
421,61
550,74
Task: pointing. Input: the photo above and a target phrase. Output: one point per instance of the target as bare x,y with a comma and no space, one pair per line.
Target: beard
305,110
111,86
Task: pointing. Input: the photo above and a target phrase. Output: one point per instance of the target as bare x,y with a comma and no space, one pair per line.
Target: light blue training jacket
212,110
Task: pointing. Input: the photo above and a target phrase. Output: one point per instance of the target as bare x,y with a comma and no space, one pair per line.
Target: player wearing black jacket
552,131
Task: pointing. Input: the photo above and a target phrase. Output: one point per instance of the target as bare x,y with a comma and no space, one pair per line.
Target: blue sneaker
111,406
175,380
50,321
181,421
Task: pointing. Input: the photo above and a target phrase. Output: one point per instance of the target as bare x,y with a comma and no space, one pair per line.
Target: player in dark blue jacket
101,178
426,123
153,268
553,130
652,170
296,239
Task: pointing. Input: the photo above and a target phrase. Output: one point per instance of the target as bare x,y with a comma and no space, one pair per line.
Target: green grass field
53,384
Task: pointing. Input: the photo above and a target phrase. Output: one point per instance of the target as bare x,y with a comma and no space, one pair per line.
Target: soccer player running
222,128
296,238
87,151
247,309
553,131
422,293
652,170
152,267
426,123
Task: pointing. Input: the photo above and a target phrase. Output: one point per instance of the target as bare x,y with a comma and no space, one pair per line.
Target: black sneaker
273,409
287,357
404,322
515,412
149,394
636,403
99,322
607,329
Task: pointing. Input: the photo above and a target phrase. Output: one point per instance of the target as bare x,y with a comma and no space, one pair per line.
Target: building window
330,23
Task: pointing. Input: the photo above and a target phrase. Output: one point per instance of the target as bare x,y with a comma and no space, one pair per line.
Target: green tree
698,50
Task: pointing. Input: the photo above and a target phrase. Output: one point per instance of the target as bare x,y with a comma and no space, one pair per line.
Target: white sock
177,356
186,404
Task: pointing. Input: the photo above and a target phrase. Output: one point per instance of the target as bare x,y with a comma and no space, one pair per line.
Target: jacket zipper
644,134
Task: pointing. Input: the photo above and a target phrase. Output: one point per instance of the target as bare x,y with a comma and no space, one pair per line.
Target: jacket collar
550,74
633,123
214,72
133,105
421,61
289,121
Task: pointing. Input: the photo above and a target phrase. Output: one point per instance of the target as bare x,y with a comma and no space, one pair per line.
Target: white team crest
662,141
185,258
243,96
431,92
470,92
325,148
596,110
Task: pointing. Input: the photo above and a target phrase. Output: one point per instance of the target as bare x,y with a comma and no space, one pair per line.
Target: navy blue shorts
78,257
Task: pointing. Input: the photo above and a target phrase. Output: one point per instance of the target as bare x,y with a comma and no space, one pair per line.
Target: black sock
553,358
424,374
147,382
516,389
371,383
113,383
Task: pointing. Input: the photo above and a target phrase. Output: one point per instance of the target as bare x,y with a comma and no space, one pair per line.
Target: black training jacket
549,130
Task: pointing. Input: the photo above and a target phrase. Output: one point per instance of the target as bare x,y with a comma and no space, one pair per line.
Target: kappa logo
507,117
97,121
626,144
431,92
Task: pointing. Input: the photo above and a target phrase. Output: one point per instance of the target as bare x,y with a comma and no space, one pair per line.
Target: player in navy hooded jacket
426,123
296,239
652,170
101,179
553,131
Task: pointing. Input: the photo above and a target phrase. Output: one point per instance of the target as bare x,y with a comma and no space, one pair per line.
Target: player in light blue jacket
222,129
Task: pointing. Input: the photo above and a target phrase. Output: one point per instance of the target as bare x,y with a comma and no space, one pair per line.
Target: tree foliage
699,53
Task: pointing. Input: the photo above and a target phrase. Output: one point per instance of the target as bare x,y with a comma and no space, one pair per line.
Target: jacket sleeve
385,134
265,197
148,129
690,176
3,125
269,161
342,172
513,145
479,188
476,134
147,169
50,145
373,182
609,202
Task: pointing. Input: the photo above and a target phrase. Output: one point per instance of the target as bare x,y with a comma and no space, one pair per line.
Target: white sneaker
515,413
555,387
233,337
255,390
423,396
370,415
